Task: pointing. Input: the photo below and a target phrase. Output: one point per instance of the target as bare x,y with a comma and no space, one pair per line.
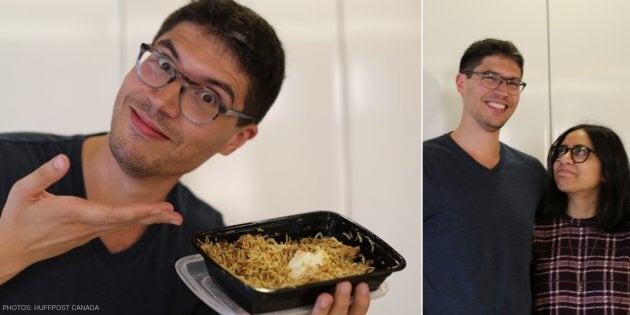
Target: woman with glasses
582,235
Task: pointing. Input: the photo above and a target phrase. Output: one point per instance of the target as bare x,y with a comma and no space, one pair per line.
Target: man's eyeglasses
197,103
493,80
579,153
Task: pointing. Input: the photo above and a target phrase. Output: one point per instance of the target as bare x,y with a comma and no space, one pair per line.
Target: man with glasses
78,223
480,195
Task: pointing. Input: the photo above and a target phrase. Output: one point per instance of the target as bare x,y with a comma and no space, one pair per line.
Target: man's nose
166,98
502,87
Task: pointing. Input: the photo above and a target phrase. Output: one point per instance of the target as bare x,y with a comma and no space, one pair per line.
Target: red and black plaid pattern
568,252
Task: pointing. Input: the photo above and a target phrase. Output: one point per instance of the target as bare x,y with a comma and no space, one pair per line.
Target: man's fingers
341,303
151,214
342,298
322,304
112,218
326,304
361,299
79,210
33,184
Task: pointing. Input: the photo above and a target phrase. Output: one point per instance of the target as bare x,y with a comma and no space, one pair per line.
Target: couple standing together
502,235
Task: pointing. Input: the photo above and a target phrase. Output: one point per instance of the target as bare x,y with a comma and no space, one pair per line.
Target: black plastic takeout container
260,300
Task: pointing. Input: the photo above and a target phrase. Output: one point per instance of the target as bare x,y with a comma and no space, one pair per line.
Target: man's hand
340,304
36,225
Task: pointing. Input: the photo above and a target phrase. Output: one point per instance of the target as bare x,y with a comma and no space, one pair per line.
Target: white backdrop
344,134
576,64
444,41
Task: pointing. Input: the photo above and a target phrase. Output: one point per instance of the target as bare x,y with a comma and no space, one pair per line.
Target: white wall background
576,64
590,64
343,135
444,42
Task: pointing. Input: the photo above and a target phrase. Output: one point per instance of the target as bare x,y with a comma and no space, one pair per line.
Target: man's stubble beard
129,159
131,162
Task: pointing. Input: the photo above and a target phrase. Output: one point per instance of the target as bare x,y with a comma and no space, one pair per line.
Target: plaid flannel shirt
569,253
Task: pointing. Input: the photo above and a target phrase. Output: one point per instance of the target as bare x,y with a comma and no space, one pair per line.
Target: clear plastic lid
192,270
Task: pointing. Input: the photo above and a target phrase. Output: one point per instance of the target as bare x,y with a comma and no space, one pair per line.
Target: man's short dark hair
251,40
473,56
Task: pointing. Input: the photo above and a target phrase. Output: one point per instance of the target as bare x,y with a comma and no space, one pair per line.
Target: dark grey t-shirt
139,280
477,230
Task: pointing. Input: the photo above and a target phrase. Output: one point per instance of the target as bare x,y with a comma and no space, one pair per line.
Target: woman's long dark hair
613,213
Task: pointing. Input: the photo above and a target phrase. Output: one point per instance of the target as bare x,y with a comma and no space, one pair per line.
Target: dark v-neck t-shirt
139,280
477,229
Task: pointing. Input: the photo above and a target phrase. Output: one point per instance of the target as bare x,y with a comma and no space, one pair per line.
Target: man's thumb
41,178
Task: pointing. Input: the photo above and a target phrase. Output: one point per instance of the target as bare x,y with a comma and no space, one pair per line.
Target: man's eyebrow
224,86
496,73
169,45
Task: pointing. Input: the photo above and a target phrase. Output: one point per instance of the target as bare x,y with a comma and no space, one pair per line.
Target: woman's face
578,178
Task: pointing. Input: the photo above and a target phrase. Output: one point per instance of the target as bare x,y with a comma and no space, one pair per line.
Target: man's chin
493,127
129,161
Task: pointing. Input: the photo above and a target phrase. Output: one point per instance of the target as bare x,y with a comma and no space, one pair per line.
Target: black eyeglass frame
558,155
500,78
222,109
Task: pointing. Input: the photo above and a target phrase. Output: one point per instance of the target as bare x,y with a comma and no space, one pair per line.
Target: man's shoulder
516,155
39,142
31,138
197,214
436,147
436,142
32,149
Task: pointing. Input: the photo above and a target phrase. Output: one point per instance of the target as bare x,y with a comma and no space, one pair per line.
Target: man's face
149,134
489,108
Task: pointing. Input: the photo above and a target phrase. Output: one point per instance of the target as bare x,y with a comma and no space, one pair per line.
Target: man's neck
106,183
482,145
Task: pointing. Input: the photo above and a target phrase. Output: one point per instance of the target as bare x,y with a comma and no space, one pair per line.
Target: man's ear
244,134
459,82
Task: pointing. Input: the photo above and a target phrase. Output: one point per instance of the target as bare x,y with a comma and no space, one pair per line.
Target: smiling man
480,195
80,217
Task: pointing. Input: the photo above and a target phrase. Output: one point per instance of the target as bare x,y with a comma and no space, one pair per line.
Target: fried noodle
262,262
